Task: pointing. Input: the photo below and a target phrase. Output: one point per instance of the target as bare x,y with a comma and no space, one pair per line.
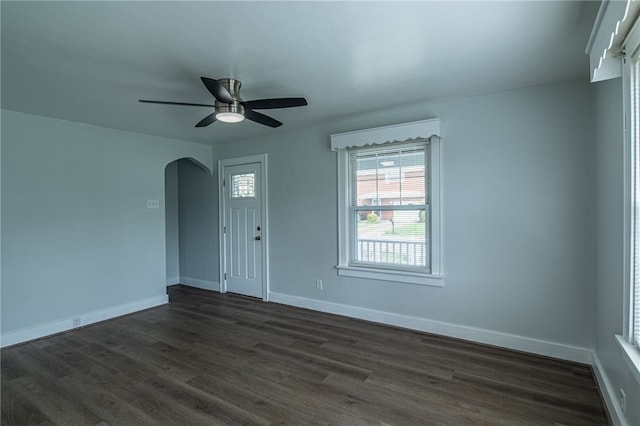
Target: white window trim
631,356
425,129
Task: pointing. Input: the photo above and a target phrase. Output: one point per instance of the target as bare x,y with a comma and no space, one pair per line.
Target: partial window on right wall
630,340
634,142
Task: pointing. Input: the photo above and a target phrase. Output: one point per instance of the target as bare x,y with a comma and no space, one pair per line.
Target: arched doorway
191,222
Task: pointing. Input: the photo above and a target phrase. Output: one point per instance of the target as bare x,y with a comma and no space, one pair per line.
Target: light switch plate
153,204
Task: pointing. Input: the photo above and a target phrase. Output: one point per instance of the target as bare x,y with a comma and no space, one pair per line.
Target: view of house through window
390,205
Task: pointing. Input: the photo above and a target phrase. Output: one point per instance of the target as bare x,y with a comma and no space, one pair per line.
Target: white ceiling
91,61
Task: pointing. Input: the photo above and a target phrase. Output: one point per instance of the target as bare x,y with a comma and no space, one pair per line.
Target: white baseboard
608,393
173,281
194,282
510,341
43,330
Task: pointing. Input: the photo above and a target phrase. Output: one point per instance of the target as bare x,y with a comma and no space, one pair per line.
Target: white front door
243,229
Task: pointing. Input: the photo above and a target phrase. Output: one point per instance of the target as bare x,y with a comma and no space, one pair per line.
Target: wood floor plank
211,358
18,409
561,406
394,363
269,407
208,406
469,361
309,360
59,406
360,403
106,405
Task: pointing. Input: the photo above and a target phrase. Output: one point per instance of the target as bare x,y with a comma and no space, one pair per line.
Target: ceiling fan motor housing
232,86
234,107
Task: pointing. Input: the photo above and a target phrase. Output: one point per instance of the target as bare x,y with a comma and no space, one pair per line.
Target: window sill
631,355
391,275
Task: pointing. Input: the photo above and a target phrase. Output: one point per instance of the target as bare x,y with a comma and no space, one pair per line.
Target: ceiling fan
229,106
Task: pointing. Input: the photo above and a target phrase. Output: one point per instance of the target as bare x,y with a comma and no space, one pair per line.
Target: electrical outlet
623,401
318,284
76,322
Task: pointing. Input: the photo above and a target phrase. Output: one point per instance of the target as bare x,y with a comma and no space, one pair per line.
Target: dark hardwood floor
209,358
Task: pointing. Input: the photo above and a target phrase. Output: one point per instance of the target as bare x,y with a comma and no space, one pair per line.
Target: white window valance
424,129
613,22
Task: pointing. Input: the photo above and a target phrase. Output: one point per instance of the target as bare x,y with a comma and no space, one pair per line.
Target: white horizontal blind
391,162
635,198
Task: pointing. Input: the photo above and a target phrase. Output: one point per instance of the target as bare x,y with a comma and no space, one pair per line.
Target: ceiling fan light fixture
229,117
230,113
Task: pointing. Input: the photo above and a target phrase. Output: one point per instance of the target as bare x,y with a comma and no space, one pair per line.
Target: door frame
237,161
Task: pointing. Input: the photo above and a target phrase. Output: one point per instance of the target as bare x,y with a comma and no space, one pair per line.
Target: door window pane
243,186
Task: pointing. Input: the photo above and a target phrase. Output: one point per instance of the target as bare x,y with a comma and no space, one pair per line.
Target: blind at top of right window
399,172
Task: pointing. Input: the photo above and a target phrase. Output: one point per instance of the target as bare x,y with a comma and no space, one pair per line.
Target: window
389,210
630,340
394,233
634,133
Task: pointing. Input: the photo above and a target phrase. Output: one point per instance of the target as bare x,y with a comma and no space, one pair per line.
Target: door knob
258,238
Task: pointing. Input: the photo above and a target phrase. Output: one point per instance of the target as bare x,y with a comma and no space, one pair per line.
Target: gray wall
171,222
519,214
198,220
77,236
610,279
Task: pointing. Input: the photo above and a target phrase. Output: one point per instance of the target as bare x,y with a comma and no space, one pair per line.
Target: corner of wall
608,394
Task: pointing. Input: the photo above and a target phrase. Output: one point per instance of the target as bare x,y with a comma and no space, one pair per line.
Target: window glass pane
389,178
243,186
392,237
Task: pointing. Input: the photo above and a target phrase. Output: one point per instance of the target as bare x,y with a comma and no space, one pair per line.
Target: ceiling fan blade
173,103
207,120
217,90
275,103
261,118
